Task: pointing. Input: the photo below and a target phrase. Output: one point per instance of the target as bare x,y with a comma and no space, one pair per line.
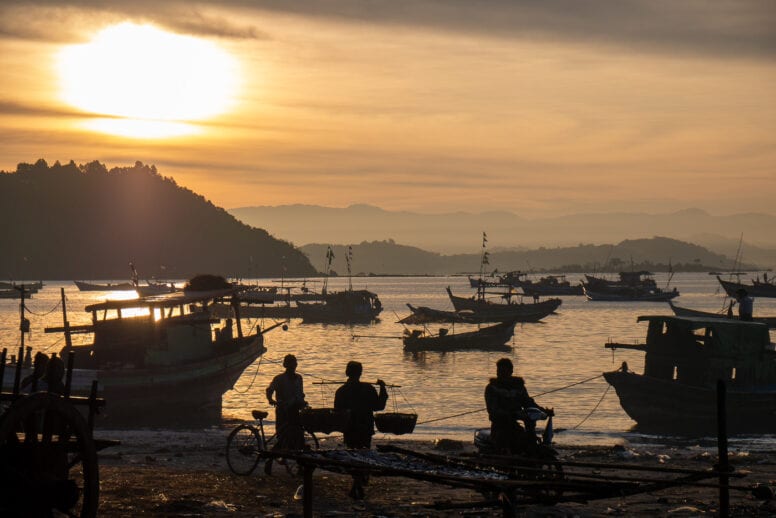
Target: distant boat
492,338
13,293
685,357
758,288
686,312
636,286
485,310
349,306
89,286
30,287
548,285
426,315
155,288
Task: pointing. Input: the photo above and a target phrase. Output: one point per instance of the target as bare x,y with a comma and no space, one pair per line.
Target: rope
537,395
569,386
28,310
594,408
255,375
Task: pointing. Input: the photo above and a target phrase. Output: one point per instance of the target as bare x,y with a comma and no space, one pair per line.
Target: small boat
637,286
758,288
155,288
159,360
549,285
119,286
685,356
13,293
486,310
626,294
349,306
29,287
492,338
426,315
686,312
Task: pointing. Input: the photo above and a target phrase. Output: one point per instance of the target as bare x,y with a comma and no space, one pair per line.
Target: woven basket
395,423
324,420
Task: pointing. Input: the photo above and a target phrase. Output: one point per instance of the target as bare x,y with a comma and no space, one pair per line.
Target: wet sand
162,473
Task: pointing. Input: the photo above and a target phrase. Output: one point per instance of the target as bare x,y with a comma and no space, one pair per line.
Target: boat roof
698,322
163,300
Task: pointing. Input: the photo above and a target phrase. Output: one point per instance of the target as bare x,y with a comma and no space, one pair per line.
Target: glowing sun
147,81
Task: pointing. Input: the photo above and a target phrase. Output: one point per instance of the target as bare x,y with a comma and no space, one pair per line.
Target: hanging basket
324,420
395,423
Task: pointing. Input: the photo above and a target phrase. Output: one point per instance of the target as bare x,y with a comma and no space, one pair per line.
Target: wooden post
3,356
722,451
307,490
68,339
92,405
69,373
18,375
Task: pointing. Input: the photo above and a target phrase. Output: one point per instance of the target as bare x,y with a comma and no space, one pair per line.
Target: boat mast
329,257
483,262
348,260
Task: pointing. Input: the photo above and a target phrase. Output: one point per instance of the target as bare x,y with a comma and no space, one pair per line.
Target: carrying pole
722,451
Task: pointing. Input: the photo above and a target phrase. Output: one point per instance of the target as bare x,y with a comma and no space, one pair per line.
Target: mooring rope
536,395
28,310
594,408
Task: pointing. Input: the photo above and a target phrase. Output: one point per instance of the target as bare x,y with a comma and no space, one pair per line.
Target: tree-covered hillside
85,221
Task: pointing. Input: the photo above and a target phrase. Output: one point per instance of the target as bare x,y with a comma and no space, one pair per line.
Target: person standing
507,399
745,305
361,400
286,394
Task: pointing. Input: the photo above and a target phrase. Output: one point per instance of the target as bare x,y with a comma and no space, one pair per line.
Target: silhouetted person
34,379
507,399
361,400
745,305
55,371
288,391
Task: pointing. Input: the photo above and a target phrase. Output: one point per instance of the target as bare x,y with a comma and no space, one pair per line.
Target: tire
242,449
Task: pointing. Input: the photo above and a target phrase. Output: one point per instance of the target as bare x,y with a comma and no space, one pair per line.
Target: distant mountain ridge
460,232
656,254
87,222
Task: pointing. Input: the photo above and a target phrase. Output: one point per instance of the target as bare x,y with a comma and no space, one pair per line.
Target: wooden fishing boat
486,310
630,294
426,315
756,289
685,356
637,286
549,285
349,306
686,312
90,286
13,293
492,338
158,359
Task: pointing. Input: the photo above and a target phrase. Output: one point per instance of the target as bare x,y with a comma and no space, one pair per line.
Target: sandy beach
176,473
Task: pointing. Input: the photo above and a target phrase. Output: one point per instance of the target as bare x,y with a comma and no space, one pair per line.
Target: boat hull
630,296
176,395
88,286
686,312
667,405
493,338
753,290
492,312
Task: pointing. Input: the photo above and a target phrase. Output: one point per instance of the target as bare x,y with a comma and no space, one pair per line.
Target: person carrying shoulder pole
361,400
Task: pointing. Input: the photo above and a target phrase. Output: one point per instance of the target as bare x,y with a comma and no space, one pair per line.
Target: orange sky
426,106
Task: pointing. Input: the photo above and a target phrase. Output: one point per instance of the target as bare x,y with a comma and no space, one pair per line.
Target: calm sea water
552,356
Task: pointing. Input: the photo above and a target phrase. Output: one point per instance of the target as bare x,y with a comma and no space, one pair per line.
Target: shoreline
169,473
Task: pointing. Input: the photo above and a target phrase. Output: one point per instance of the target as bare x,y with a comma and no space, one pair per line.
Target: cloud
55,21
719,28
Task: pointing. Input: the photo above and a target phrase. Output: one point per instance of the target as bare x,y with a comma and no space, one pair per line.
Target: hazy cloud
720,28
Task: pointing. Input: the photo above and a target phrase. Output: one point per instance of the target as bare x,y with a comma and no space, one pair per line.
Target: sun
146,80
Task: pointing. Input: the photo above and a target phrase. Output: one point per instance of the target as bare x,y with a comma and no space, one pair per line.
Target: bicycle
247,441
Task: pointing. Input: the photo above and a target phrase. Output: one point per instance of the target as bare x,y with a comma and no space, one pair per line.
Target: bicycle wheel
310,441
242,449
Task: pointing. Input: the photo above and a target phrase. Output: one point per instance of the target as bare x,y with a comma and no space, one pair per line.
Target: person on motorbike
507,401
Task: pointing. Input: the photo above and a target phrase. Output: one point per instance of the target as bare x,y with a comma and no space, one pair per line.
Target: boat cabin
156,331
699,351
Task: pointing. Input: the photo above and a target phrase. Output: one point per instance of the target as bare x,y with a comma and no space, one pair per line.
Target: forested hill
87,222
